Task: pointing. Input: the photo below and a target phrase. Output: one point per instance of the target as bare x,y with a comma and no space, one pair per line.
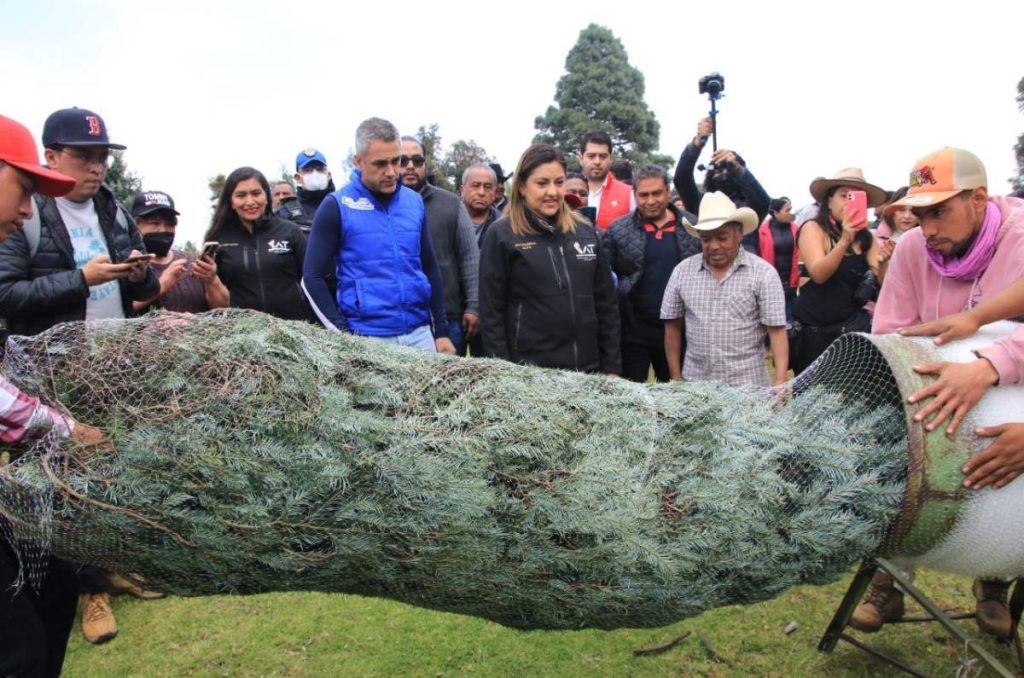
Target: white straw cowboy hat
717,210
852,177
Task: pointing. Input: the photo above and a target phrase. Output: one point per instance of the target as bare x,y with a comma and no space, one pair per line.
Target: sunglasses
416,160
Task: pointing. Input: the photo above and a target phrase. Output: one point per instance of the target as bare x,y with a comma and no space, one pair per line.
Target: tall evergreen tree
461,155
444,167
121,180
600,90
430,140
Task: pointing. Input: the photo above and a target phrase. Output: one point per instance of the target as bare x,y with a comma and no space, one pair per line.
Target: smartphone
210,249
138,257
858,203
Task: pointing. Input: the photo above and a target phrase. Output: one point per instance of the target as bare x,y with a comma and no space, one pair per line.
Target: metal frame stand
834,633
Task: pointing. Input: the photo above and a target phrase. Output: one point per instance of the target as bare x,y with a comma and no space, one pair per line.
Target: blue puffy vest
382,290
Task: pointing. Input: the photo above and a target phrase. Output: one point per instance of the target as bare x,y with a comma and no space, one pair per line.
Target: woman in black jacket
546,294
260,256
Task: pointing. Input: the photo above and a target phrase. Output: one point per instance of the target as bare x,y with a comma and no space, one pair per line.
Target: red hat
17,149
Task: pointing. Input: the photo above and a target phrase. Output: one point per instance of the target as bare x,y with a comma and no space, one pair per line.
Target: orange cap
940,175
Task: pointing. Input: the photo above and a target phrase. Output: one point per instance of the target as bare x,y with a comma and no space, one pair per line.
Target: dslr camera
867,290
712,84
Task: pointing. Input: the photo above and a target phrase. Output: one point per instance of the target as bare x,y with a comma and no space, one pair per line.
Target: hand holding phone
138,257
857,208
210,249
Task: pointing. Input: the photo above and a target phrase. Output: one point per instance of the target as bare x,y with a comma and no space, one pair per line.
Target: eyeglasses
416,160
86,159
581,192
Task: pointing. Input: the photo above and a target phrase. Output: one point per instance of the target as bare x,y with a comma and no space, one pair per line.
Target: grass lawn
312,634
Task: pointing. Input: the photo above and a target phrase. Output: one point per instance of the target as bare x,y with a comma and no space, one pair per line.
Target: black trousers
35,625
643,347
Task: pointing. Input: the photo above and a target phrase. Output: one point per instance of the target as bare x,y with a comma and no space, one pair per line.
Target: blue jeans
421,337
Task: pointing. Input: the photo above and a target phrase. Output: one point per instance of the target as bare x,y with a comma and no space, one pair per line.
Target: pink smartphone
858,202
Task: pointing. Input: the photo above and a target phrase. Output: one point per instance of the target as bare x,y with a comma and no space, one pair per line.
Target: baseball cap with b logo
940,175
76,127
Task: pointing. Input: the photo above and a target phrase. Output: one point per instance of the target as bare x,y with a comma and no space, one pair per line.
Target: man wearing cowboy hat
968,248
499,189
729,299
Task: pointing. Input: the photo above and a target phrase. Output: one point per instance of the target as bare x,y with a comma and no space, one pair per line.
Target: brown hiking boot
132,585
98,625
991,611
884,603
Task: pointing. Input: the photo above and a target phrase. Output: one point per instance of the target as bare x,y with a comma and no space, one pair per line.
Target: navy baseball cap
307,156
76,127
148,202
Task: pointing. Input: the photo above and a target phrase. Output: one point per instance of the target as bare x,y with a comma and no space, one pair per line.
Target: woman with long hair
776,238
898,220
546,293
844,262
260,255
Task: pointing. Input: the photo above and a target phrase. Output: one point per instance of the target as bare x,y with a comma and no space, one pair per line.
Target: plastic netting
252,454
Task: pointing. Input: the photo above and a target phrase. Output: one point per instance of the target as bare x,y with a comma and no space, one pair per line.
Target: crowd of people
643,277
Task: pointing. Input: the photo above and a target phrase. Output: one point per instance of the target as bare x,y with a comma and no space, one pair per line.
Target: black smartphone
138,257
210,248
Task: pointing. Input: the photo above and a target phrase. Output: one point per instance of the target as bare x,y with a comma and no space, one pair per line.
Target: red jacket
766,245
615,201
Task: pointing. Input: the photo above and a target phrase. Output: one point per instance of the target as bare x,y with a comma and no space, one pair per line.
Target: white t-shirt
87,241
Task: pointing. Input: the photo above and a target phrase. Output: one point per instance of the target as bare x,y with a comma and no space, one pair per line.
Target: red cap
17,149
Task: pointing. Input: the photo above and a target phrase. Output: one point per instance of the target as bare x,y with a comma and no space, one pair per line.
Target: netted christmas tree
251,454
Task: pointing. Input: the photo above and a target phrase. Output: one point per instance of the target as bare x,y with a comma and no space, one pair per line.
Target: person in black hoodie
546,293
728,173
260,257
313,183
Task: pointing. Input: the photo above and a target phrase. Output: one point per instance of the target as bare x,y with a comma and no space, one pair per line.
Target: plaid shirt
725,319
22,416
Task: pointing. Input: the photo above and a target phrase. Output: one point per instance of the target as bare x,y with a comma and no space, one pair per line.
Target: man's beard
420,182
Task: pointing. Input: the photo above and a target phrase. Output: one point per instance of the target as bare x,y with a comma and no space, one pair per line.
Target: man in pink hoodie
970,247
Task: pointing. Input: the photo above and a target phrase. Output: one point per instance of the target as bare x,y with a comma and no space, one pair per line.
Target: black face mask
158,243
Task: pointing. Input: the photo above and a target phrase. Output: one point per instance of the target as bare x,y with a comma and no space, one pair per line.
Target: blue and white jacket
389,282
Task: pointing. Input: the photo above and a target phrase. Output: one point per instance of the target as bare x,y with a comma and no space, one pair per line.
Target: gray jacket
455,246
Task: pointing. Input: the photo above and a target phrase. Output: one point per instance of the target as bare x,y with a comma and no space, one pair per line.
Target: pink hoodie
914,293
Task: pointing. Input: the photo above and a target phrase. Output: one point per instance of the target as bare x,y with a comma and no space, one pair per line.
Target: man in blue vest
372,233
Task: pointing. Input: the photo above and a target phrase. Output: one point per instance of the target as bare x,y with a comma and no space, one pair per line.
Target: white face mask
314,181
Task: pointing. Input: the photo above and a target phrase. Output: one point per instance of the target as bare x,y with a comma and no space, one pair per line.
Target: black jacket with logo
547,299
263,269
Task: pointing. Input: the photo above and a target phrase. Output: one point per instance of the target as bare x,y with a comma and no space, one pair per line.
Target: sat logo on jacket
279,247
585,252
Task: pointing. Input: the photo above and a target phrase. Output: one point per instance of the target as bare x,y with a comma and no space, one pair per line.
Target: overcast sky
199,88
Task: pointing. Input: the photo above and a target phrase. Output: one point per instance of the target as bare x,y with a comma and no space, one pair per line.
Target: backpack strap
31,229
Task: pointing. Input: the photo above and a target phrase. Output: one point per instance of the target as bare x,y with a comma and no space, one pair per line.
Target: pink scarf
974,262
